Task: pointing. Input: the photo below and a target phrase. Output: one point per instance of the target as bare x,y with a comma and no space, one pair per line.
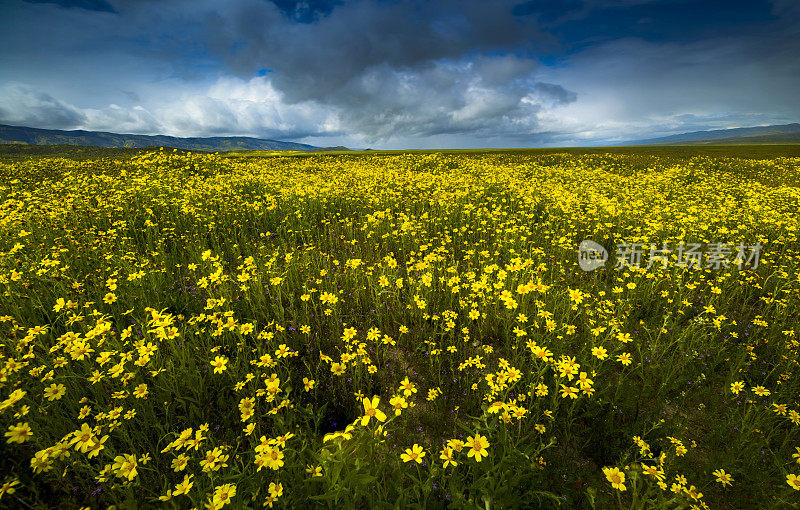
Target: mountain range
35,136
777,134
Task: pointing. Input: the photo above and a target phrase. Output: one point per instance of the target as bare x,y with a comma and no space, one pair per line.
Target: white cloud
231,106
632,89
117,119
21,104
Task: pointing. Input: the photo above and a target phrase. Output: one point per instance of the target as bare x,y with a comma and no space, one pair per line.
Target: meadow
399,330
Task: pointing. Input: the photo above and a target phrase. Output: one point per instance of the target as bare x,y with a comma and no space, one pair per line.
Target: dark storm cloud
312,61
394,68
443,97
400,72
89,5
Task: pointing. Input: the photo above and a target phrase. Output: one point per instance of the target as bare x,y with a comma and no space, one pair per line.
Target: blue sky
401,74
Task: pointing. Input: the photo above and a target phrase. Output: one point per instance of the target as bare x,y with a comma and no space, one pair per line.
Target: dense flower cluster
200,331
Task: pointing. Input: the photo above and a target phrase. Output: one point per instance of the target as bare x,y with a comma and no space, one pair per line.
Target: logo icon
591,255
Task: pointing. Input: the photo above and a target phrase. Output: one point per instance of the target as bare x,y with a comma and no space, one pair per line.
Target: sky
393,74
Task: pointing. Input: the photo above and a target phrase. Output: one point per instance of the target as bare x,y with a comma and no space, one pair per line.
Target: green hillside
777,134
34,136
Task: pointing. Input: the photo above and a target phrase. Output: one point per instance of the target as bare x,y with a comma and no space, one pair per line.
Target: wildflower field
398,331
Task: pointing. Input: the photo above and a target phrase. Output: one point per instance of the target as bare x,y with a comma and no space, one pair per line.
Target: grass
677,152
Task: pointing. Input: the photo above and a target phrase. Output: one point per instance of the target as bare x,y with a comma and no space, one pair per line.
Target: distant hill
786,133
34,136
